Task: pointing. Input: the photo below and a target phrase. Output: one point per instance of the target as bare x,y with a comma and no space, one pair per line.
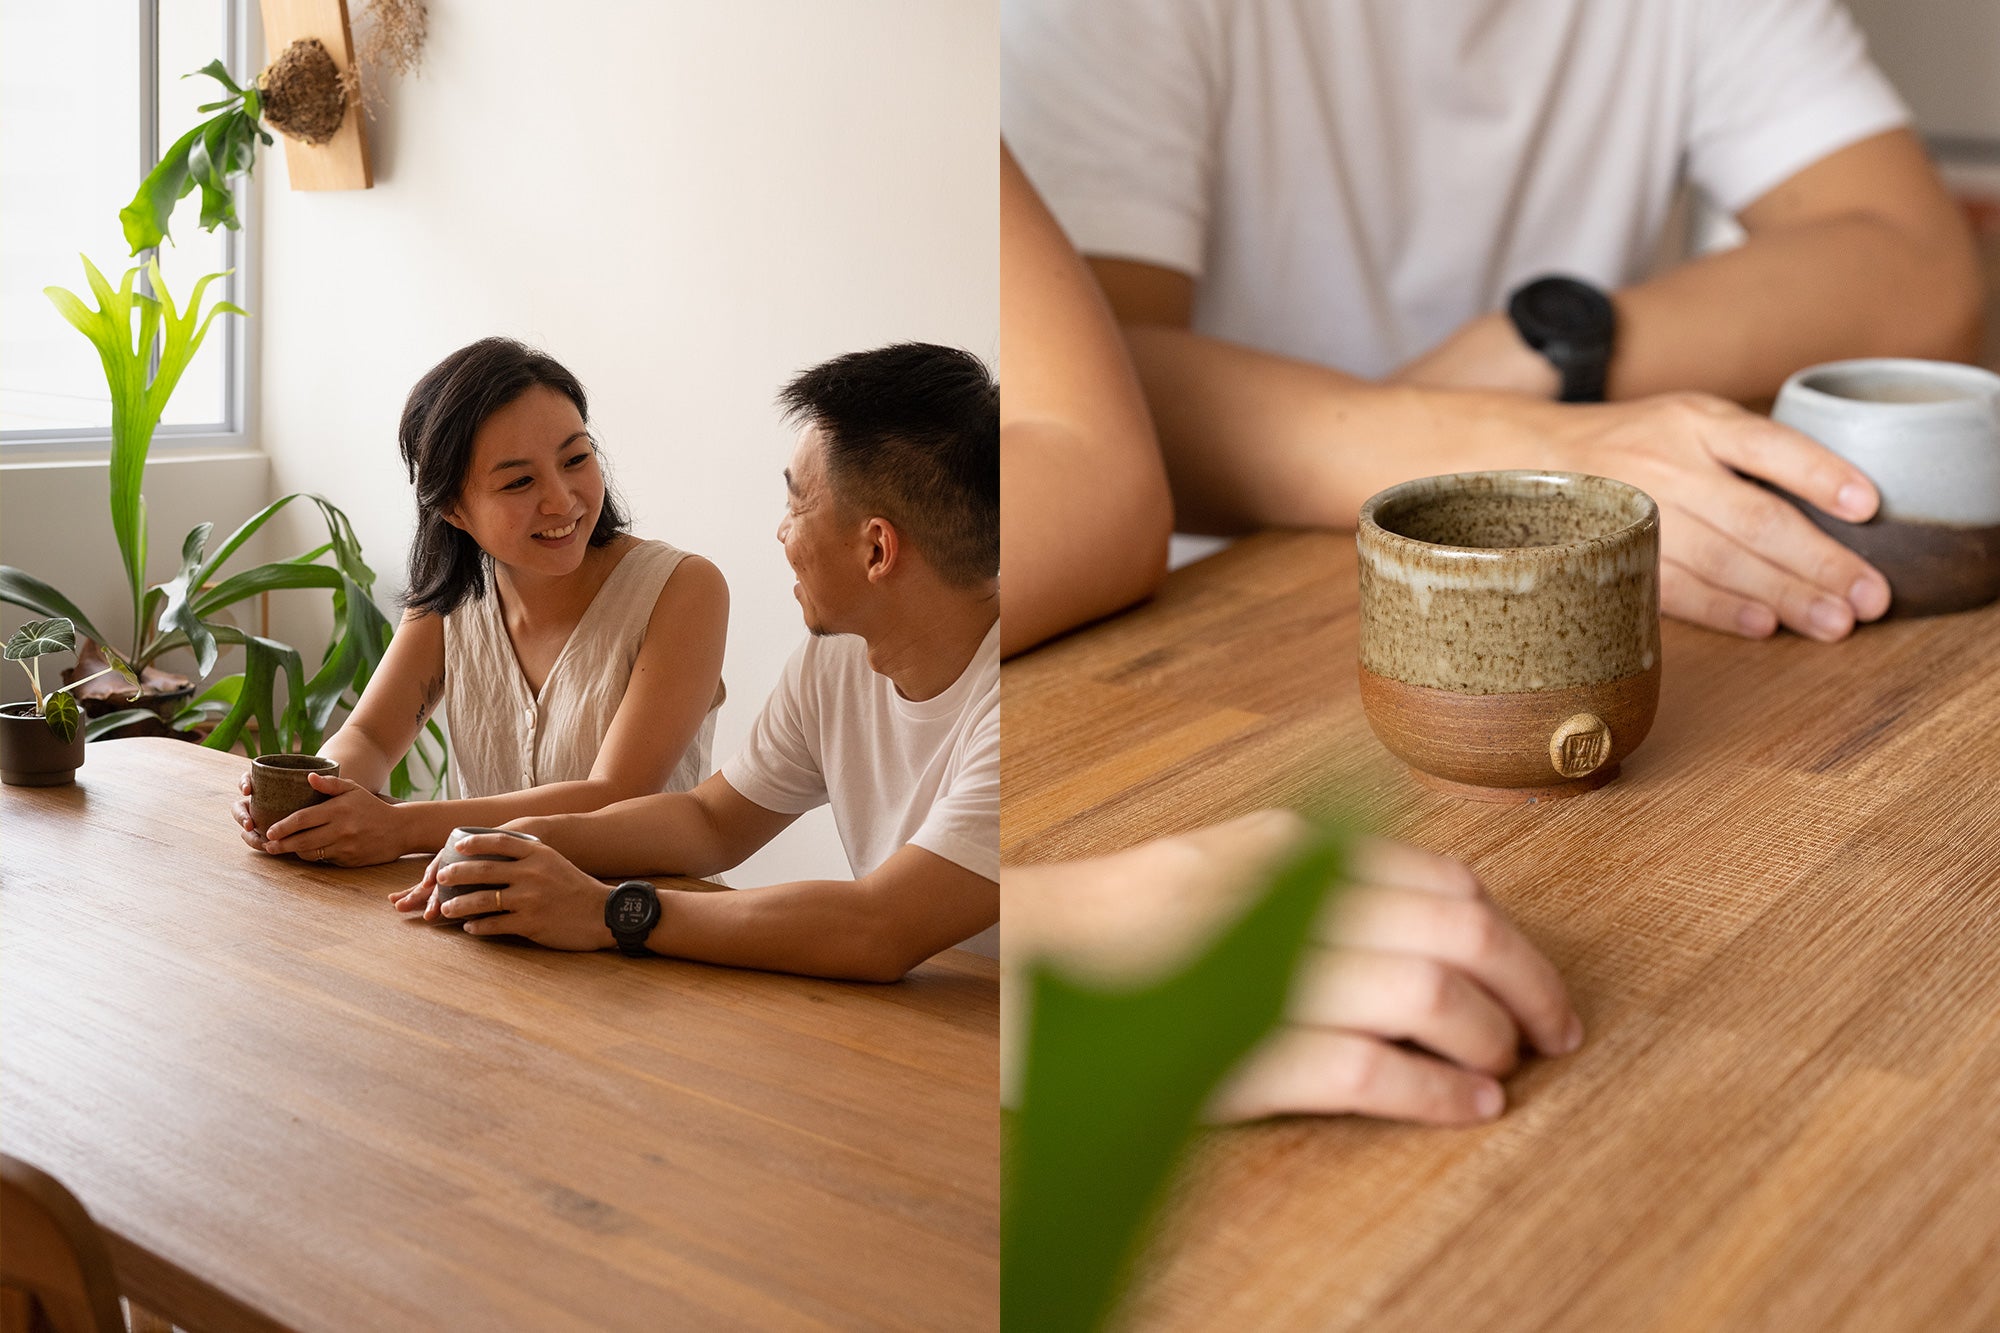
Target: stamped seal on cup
278,786
1510,629
1927,433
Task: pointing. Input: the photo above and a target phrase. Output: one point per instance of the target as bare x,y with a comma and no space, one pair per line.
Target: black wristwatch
1571,323
631,912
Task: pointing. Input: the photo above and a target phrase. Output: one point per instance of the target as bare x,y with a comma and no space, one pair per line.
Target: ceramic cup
452,856
278,786
1927,433
1510,629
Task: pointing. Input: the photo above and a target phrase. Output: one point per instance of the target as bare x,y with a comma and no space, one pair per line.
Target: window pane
69,143
192,33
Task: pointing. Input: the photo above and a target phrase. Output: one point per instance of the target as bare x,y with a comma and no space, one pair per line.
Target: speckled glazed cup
1927,433
1510,629
278,786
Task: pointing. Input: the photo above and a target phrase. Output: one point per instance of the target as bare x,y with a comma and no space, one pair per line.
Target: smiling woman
579,664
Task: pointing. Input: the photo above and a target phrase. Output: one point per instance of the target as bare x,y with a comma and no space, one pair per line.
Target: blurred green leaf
1113,1086
125,717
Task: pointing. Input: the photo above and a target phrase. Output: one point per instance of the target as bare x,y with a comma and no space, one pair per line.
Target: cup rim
1798,387
295,763
467,830
1424,486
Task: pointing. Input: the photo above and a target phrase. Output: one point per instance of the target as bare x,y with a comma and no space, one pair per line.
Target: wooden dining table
289,1107
1781,925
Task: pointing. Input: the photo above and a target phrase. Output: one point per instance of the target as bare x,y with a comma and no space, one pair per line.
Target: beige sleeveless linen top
503,738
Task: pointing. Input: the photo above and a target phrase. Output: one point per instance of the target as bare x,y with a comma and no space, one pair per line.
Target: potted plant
41,741
145,342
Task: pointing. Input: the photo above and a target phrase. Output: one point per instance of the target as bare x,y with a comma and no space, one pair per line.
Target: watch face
634,910
1563,309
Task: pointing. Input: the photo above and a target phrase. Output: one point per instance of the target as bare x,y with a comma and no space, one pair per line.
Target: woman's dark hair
440,417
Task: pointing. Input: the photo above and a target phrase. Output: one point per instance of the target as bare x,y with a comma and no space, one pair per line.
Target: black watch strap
1573,325
630,912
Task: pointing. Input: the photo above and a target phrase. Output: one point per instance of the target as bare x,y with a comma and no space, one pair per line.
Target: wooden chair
55,1272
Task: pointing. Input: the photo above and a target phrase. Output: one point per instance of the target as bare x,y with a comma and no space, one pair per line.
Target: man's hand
1734,557
541,897
354,827
1414,1000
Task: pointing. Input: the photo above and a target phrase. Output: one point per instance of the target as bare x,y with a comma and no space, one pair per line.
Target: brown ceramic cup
1510,629
278,786
452,856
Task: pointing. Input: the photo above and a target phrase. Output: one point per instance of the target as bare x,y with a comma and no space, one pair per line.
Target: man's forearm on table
668,834
817,928
1738,322
1252,438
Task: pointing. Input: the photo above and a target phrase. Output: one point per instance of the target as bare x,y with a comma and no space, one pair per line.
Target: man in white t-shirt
1310,214
890,712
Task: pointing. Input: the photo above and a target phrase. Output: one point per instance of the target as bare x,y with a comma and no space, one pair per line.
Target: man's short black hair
912,434
442,414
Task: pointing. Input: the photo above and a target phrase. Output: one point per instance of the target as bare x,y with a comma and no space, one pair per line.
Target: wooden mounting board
342,162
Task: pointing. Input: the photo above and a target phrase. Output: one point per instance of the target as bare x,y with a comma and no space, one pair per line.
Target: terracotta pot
1927,433
1510,629
33,756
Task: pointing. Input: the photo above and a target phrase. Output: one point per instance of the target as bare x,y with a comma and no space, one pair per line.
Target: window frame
233,434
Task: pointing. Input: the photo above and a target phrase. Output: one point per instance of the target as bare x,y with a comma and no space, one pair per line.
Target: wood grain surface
1781,925
289,1107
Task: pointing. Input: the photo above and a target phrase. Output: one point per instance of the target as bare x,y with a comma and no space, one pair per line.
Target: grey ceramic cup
278,786
1510,629
452,856
1927,433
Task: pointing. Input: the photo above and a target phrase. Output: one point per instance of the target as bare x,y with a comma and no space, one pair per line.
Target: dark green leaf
38,637
265,578
63,714
263,659
1113,1085
177,611
26,591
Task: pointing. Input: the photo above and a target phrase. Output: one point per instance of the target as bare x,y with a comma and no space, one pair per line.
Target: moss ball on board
305,97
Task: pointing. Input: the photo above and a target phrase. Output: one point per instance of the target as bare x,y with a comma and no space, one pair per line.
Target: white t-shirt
1351,180
896,771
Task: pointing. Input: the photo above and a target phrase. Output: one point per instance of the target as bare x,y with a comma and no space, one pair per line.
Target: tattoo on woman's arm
433,692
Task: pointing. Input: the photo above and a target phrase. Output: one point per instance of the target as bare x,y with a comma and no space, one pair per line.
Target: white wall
684,203
1944,57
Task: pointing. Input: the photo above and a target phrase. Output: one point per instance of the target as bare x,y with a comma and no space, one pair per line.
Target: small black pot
33,756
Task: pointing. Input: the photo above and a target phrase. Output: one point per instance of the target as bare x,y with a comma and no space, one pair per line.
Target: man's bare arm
1252,438
1861,254
701,832
875,928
